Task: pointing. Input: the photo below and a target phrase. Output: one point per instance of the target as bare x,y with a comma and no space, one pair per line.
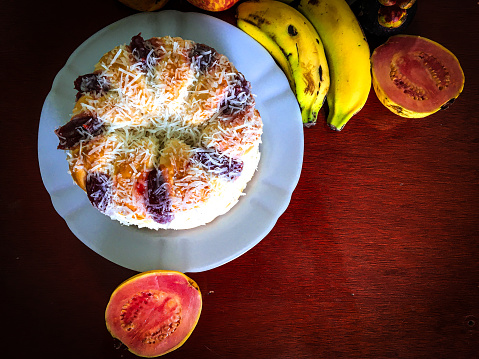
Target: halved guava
414,76
153,313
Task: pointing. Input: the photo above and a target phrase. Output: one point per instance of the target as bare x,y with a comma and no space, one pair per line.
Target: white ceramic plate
227,237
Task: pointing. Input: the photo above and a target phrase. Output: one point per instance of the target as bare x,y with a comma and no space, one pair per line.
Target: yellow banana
348,55
295,45
270,45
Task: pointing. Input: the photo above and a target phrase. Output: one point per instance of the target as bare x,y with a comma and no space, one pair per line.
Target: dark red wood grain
377,255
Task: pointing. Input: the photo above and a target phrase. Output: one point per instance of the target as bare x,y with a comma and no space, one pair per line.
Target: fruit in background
144,5
391,17
387,2
213,5
153,313
347,53
383,18
405,4
414,76
296,46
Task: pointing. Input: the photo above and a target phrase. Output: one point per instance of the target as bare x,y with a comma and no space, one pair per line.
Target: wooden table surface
377,255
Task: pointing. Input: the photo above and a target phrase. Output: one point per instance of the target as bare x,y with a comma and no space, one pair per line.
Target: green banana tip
337,121
334,128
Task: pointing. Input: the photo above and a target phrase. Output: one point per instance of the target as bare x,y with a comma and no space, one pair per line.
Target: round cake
164,134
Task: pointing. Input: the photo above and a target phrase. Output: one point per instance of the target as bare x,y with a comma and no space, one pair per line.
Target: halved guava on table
153,313
415,77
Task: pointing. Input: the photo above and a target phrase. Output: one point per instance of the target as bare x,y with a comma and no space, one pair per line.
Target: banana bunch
295,45
346,49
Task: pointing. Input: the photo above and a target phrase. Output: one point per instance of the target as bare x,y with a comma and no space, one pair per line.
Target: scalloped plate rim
185,242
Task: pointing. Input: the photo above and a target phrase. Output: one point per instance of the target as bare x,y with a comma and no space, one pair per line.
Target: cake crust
164,134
